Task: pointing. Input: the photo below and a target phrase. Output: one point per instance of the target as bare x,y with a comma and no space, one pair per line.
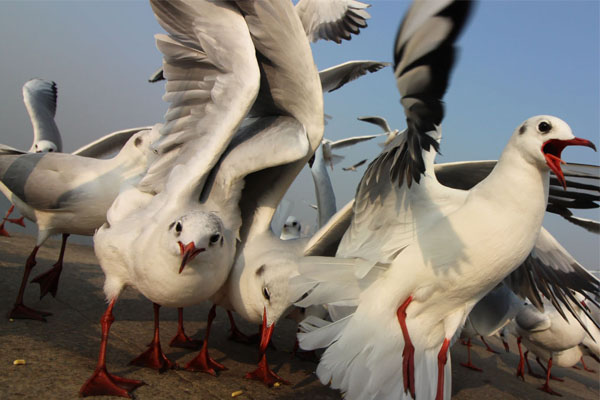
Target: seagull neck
517,183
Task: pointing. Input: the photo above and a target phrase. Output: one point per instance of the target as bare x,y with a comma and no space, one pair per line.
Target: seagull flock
426,253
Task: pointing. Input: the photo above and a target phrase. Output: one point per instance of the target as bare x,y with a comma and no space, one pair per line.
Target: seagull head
195,233
45,146
271,282
291,228
544,137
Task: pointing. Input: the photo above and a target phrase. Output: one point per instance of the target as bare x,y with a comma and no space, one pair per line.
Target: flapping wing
583,187
334,20
379,121
353,167
109,144
40,97
340,144
157,76
337,76
552,272
424,55
212,75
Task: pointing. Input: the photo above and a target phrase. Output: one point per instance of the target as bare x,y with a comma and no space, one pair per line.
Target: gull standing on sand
420,255
66,193
213,78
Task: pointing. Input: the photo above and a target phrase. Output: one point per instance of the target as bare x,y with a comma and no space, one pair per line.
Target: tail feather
318,333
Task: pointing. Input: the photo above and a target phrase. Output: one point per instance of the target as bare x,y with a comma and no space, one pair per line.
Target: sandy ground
61,354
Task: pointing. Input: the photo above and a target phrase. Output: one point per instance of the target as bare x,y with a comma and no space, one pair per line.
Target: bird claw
21,311
183,341
48,281
102,383
154,358
471,366
204,363
264,374
546,388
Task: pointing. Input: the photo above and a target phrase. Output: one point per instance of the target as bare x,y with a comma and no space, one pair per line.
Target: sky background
517,59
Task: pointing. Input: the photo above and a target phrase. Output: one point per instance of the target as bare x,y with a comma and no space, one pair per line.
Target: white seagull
419,255
291,229
66,193
215,57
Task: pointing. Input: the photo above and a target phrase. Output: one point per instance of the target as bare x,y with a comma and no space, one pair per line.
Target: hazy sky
517,59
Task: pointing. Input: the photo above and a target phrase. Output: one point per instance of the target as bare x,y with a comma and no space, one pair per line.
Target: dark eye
294,223
178,227
544,127
50,150
215,238
266,294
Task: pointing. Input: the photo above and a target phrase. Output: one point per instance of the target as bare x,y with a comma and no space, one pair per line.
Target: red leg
546,387
488,346
529,369
4,232
202,362
442,358
238,336
49,280
17,221
181,339
408,354
263,373
469,364
505,343
585,366
544,368
102,382
20,310
153,357
521,366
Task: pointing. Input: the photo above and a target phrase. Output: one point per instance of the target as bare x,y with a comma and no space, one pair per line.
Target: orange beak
552,150
188,252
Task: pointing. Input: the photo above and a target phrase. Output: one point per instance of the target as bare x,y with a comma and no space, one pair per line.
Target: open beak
188,252
552,150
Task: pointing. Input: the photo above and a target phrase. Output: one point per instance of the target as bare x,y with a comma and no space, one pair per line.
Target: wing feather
334,20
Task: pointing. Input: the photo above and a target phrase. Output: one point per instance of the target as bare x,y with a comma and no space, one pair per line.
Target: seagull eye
294,223
544,127
50,150
215,238
178,227
266,294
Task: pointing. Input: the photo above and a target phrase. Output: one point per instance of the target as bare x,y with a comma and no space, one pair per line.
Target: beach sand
62,353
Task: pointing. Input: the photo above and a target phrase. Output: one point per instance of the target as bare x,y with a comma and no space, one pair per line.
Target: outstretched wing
379,121
212,75
40,97
337,76
332,19
552,272
109,144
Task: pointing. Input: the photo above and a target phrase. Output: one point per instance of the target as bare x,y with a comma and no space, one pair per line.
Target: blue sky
517,59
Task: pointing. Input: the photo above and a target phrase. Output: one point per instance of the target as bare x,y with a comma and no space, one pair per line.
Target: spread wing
108,144
552,272
40,97
334,20
337,76
212,75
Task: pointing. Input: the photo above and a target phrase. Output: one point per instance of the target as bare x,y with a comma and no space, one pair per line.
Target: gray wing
337,76
583,187
332,19
353,167
346,142
40,97
379,121
212,75
109,144
552,272
45,181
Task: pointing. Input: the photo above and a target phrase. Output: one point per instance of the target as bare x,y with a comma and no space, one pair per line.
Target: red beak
265,333
188,252
552,150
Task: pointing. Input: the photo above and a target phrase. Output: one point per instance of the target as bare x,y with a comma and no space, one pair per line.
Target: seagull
383,124
291,229
215,57
353,167
66,193
39,96
550,337
415,260
323,157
